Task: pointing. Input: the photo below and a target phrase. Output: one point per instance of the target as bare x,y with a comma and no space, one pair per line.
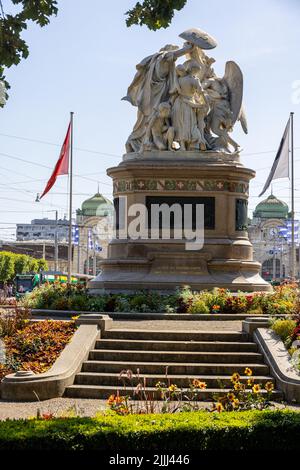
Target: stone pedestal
221,183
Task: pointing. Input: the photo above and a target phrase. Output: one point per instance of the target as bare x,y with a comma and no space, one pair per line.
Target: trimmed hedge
182,432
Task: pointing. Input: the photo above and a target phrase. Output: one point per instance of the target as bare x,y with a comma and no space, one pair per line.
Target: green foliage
21,264
12,264
155,14
42,264
13,48
75,297
7,266
182,432
284,328
198,306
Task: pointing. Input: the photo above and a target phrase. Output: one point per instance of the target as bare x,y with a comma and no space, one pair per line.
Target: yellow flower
256,388
75,317
269,386
236,402
173,388
248,371
238,386
219,407
250,382
159,385
231,396
235,377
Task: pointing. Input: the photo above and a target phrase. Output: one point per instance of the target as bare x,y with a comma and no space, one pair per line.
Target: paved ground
57,406
68,407
174,325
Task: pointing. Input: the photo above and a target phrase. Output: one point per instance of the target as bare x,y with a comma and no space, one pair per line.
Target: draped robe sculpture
199,109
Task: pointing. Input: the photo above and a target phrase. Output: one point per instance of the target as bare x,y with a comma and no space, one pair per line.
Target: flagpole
70,201
293,260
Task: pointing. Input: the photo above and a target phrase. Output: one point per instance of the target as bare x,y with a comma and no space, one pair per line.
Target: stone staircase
210,356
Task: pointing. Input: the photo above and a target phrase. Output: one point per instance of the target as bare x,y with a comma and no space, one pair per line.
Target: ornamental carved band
134,185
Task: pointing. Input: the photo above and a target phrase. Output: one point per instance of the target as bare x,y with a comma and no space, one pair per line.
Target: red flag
62,165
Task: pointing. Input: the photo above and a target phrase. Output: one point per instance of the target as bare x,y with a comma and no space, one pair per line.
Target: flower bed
176,433
66,297
35,346
245,393
289,331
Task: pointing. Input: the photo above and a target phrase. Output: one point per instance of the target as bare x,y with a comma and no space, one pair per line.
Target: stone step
175,356
102,391
159,345
189,369
113,379
167,335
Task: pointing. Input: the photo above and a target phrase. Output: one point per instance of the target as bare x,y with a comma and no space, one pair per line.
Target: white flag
280,167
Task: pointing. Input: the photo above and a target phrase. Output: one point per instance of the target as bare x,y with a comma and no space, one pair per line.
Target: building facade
92,230
94,222
43,229
271,244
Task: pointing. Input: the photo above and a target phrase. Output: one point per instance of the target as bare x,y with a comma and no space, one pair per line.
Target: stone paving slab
174,325
57,406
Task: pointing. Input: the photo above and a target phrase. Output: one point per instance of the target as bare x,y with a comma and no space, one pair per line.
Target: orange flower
219,407
111,400
119,399
198,384
47,416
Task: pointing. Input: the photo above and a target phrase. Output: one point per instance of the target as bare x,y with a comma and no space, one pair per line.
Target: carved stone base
221,182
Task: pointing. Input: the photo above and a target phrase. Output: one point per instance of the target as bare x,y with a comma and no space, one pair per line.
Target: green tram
25,283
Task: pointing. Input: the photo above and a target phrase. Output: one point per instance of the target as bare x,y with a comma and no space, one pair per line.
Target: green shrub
283,328
181,432
77,298
198,306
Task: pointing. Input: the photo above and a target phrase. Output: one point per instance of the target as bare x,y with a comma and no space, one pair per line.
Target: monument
180,152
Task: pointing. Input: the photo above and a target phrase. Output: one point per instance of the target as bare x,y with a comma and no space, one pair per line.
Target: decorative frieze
156,185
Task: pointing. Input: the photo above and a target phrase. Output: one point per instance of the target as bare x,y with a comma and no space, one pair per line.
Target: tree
42,264
12,264
22,264
7,266
155,14
12,47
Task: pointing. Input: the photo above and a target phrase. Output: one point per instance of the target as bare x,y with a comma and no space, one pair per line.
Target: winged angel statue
185,106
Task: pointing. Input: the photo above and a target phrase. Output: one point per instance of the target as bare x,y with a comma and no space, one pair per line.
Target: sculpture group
185,106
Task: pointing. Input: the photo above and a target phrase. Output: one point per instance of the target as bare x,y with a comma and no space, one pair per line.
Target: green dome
97,205
271,208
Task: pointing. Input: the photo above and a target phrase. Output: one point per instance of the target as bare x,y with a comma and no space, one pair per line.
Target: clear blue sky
84,61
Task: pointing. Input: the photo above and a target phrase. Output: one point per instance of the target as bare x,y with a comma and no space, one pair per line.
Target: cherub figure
159,132
190,108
